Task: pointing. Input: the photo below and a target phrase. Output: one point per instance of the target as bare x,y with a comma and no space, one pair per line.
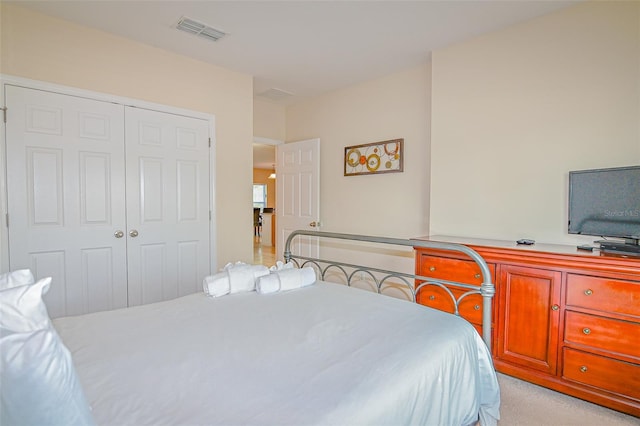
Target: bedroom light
197,28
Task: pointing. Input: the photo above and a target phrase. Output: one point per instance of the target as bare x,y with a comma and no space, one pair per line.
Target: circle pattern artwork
377,157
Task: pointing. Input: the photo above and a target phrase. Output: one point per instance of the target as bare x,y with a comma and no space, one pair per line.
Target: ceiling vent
199,29
275,94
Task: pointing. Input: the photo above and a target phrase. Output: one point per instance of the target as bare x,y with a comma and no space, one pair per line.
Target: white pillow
22,308
16,278
38,382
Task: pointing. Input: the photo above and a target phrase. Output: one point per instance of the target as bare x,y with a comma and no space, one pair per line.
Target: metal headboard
486,289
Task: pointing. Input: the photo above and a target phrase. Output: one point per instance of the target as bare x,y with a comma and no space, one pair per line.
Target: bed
322,354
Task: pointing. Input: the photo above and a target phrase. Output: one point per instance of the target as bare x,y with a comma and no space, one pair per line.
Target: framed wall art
373,158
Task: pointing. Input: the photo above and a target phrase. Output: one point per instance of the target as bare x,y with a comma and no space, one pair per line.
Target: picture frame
374,158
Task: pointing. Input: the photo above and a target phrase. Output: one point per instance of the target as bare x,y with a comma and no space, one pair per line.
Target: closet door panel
65,188
188,267
95,188
188,191
97,273
154,287
167,204
151,190
44,186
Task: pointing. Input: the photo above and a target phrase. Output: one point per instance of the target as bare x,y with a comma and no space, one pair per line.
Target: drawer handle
583,369
586,330
588,292
555,307
476,276
432,268
477,307
432,297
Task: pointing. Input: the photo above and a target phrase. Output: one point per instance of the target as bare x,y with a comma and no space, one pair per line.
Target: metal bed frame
351,271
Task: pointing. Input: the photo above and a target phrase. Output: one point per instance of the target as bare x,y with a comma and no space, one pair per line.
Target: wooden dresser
563,318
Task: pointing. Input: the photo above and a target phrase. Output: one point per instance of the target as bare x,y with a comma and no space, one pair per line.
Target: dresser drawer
470,308
602,333
463,271
605,373
604,294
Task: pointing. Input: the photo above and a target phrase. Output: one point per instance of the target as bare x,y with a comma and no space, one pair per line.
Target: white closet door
65,174
167,204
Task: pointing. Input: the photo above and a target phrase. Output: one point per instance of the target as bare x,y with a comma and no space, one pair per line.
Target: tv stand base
564,318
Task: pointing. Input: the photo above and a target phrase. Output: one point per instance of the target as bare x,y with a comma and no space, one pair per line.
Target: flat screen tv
606,203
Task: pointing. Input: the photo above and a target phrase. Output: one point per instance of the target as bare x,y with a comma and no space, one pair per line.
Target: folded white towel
279,266
268,284
216,285
241,279
234,278
285,279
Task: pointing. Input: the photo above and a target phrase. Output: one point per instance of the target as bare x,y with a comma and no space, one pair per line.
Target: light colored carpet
526,404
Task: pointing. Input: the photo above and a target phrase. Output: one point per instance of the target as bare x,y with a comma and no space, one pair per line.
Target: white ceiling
303,47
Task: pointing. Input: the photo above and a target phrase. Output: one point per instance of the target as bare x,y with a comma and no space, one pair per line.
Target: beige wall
268,120
38,47
514,111
395,106
391,205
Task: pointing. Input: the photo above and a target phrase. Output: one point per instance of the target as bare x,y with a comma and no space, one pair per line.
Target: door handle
133,233
314,224
118,234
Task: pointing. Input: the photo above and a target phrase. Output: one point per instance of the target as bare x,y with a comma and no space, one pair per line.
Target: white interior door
167,204
112,202
65,174
297,194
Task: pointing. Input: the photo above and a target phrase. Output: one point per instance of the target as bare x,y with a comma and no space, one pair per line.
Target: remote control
526,242
586,247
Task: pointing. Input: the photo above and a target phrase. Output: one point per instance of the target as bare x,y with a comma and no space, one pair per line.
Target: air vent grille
275,94
197,28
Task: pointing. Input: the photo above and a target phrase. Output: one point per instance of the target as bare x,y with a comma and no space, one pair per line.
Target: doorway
264,200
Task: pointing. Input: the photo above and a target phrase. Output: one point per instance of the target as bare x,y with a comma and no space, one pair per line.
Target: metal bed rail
385,277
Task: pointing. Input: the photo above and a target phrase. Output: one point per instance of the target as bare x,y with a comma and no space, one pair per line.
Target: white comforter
321,355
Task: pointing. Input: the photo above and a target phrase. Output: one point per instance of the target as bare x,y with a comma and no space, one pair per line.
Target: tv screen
605,202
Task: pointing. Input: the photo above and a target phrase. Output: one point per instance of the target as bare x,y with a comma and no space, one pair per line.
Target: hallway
263,255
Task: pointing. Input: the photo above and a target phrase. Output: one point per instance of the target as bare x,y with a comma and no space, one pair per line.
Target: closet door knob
133,233
118,234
